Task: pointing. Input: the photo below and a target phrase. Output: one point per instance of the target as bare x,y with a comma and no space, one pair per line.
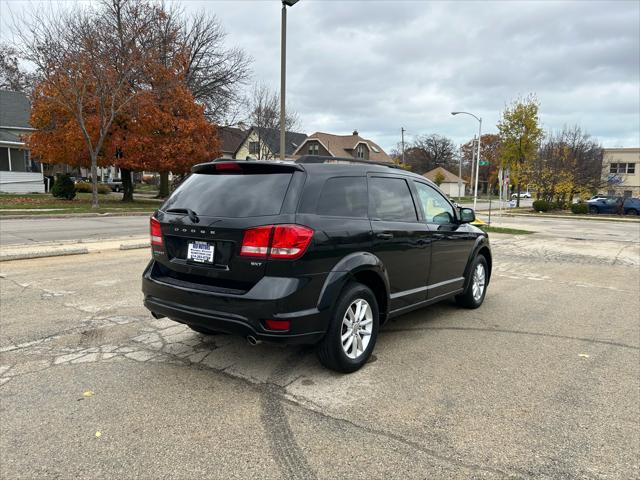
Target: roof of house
271,136
231,138
344,145
15,109
448,176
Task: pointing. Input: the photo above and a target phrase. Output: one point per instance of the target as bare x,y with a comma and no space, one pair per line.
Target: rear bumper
271,298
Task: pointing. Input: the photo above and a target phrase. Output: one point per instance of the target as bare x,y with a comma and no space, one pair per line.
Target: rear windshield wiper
186,211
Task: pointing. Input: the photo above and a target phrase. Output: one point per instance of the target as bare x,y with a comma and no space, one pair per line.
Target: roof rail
327,159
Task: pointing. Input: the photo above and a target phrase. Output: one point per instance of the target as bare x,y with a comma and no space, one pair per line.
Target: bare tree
264,115
87,67
12,76
430,151
214,73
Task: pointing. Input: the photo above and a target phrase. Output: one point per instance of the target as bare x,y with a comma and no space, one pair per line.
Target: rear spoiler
224,166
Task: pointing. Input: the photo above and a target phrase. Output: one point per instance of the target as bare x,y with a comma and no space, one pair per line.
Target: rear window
344,197
231,195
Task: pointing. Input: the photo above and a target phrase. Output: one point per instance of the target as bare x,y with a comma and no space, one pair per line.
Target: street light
283,72
479,119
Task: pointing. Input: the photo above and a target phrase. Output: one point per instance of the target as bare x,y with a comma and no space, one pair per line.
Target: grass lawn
47,204
510,231
144,188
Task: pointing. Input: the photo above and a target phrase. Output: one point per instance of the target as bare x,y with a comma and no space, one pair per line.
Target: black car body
266,249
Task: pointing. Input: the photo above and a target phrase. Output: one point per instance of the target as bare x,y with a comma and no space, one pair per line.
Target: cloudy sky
379,65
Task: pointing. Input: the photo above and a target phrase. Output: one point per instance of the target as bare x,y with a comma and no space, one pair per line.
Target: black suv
320,251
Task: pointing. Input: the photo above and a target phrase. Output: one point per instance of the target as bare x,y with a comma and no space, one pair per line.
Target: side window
390,200
343,197
436,208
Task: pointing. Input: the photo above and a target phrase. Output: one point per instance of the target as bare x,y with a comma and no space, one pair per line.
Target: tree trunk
94,182
163,191
518,192
127,185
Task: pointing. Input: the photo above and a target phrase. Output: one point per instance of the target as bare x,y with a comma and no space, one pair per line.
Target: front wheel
632,211
353,330
474,294
593,210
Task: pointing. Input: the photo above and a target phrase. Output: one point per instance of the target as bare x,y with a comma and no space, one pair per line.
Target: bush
64,188
85,187
580,208
541,206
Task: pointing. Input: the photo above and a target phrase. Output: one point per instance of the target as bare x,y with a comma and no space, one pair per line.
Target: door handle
384,236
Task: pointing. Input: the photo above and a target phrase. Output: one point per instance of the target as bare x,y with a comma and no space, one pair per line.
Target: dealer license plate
201,252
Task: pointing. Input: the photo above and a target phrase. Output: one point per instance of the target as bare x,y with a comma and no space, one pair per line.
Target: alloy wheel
478,282
357,327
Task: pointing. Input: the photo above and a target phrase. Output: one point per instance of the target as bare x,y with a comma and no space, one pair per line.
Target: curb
45,253
76,215
134,246
575,217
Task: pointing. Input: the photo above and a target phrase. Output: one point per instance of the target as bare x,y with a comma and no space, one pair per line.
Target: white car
522,195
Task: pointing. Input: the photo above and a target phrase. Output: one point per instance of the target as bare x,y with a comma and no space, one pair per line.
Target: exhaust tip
253,341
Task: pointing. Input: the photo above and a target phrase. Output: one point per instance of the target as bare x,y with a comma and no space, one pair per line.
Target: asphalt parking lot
543,381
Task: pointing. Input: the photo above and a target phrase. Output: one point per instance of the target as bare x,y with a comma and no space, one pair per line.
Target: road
542,381
24,231
28,231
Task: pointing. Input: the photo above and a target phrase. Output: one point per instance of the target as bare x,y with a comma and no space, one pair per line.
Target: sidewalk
71,247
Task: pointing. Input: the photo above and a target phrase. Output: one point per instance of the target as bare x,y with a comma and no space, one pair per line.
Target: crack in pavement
515,332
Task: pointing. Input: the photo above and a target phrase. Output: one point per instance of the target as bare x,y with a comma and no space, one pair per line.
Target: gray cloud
380,65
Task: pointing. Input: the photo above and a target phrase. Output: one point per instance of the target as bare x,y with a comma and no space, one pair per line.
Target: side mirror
467,215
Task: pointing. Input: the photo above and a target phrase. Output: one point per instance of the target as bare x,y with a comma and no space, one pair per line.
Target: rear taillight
156,232
276,241
281,325
290,241
255,242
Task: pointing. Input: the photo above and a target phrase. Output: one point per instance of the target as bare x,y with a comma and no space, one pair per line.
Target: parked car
522,195
610,205
115,185
631,206
310,253
599,195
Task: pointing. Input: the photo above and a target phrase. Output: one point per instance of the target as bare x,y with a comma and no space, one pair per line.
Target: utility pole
402,130
283,76
473,163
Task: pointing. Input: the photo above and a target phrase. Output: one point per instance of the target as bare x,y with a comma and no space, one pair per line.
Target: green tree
439,178
520,135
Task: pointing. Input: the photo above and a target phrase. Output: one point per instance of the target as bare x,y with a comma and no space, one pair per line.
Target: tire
593,210
632,211
202,330
331,352
470,298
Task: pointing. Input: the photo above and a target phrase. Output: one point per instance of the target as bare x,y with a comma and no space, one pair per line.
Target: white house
451,184
18,173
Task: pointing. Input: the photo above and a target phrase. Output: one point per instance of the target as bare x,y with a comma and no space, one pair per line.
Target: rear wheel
202,330
353,330
474,294
593,210
632,211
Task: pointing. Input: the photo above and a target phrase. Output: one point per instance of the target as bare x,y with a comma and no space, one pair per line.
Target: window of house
314,149
611,193
622,168
254,148
613,168
360,152
18,160
344,197
390,200
4,159
631,168
628,194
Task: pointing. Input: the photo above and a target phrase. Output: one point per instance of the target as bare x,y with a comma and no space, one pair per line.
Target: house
620,171
349,146
451,184
18,173
230,140
264,144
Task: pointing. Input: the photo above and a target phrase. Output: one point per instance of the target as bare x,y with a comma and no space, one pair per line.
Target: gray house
18,173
